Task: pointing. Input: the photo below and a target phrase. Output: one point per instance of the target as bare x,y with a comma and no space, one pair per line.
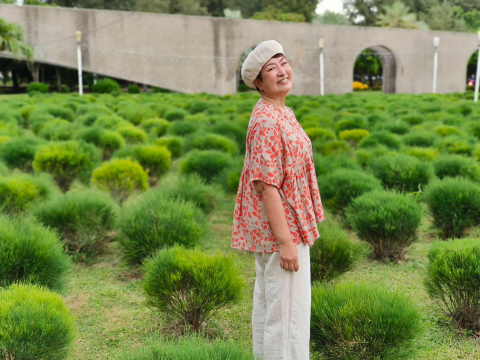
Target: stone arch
389,67
471,69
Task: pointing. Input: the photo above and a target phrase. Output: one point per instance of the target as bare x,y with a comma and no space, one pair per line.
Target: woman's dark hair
259,76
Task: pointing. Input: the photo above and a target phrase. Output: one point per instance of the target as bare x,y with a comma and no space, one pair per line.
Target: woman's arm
276,217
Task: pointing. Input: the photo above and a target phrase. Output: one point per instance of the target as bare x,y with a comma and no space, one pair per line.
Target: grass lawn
108,303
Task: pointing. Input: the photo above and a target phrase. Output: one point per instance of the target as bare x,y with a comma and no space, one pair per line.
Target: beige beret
257,58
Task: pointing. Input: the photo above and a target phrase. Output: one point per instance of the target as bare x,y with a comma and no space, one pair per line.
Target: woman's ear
258,84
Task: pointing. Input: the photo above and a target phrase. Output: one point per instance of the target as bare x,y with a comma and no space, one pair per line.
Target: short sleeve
267,154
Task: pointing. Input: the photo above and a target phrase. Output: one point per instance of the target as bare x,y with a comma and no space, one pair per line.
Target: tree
368,63
186,7
124,5
247,7
445,17
364,12
12,40
272,13
305,7
472,20
397,16
331,18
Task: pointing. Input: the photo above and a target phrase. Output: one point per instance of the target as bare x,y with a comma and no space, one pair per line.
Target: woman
277,210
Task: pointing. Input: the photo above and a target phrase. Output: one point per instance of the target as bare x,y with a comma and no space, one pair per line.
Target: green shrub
334,252
182,128
206,163
447,165
84,219
192,188
121,178
67,161
333,147
339,188
105,86
175,114
66,89
232,130
30,253
420,138
158,127
391,141
111,122
137,113
34,323
132,135
156,160
453,280
174,144
324,165
353,136
363,157
19,152
398,127
215,142
191,286
133,89
107,140
445,130
316,133
350,123
37,87
457,145
385,220
424,154
363,321
58,130
18,191
401,172
454,205
154,222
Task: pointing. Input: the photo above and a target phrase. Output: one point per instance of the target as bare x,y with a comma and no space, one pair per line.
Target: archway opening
471,71
375,69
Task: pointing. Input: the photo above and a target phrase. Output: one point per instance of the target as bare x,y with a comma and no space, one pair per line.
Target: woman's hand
289,257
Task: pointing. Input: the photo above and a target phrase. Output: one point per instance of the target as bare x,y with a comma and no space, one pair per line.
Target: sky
332,5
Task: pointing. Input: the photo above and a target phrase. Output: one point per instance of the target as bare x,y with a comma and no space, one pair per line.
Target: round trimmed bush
232,130
58,130
154,159
339,188
136,113
398,127
316,133
456,165
30,253
132,134
121,178
334,252
154,222
37,87
445,130
453,280
401,172
107,140
454,205
363,321
191,286
175,115
457,145
353,136
174,144
333,147
111,122
83,218
19,152
189,347
387,139
326,164
105,86
19,191
420,138
67,161
158,127
192,188
387,221
182,128
424,154
133,89
34,323
350,123
363,157
215,142
206,163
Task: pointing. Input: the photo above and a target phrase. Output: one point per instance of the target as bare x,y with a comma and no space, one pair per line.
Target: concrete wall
200,54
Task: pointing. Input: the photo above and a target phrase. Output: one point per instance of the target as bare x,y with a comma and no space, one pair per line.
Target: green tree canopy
12,40
397,15
331,18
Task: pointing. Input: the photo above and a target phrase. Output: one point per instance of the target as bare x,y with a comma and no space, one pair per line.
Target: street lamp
78,35
321,44
436,42
478,69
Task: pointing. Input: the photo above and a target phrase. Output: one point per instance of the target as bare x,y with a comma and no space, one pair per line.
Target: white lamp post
78,35
322,90
436,42
478,70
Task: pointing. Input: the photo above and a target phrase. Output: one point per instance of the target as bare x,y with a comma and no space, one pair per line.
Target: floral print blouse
278,152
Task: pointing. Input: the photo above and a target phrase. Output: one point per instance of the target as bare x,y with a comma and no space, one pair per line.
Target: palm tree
12,40
397,16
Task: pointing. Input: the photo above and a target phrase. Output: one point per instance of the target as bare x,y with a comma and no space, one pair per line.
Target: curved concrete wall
200,54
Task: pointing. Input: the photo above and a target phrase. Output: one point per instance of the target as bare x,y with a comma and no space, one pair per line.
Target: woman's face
276,77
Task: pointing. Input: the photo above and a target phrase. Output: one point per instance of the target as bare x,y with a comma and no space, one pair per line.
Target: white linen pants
281,308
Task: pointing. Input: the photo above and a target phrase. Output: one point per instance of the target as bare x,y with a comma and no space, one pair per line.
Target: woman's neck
280,103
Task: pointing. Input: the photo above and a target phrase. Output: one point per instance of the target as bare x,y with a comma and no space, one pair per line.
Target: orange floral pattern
278,152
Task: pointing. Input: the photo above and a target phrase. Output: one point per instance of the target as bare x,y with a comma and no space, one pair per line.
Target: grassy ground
107,300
